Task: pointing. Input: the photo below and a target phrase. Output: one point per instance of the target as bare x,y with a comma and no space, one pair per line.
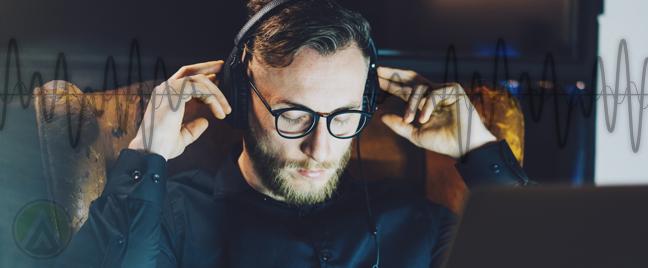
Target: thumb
192,130
397,125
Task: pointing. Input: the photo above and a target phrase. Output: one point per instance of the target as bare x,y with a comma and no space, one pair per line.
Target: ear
251,64
249,60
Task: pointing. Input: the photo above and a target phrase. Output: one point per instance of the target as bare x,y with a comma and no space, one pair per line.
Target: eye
294,118
292,121
342,119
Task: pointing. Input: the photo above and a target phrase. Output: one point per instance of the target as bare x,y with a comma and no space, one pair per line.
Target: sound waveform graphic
585,98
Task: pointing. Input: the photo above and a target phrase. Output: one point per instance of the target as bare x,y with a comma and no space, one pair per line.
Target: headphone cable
373,229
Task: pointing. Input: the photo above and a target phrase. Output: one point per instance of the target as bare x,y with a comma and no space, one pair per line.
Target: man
282,198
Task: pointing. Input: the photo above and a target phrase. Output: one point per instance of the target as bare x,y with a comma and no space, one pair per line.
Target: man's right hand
162,131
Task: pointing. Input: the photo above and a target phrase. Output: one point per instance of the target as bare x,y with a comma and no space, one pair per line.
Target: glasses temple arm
262,99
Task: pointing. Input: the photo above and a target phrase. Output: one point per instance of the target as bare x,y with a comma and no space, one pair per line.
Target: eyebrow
353,105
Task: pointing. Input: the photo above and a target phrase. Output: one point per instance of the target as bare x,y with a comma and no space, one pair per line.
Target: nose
316,145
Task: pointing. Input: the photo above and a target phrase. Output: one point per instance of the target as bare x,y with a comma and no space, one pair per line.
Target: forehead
321,83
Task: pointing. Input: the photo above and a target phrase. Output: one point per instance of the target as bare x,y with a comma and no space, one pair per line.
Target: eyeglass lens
295,123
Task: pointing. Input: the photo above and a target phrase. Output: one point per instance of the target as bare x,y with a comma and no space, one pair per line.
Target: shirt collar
229,179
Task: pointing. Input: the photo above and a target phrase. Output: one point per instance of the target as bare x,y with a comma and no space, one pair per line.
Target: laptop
553,227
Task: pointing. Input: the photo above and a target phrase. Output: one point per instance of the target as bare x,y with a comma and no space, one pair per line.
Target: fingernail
405,116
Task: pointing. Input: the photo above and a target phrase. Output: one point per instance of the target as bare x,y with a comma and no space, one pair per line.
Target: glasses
293,123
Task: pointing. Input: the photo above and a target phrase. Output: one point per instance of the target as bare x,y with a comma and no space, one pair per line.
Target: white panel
616,162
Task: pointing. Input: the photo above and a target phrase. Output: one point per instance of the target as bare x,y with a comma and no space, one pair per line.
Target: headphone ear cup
372,86
243,94
366,102
225,84
374,89
370,100
233,84
370,96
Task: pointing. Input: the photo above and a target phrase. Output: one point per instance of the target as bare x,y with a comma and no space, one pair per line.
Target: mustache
310,164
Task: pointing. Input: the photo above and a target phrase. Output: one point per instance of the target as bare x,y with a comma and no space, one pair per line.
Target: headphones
234,81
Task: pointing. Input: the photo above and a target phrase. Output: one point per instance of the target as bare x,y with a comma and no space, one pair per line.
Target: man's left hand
447,117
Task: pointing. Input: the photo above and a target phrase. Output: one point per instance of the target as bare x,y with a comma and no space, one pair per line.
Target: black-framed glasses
293,123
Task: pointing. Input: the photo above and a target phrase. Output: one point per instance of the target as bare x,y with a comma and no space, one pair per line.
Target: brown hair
322,25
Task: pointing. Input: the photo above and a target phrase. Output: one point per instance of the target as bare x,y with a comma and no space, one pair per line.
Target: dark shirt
205,221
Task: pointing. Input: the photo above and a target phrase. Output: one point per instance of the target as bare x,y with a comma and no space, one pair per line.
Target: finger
214,106
401,128
186,89
444,97
210,67
214,97
190,87
405,76
395,88
192,130
430,103
427,109
395,81
452,94
213,78
413,103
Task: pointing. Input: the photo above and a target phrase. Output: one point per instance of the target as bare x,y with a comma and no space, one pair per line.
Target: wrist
138,145
480,141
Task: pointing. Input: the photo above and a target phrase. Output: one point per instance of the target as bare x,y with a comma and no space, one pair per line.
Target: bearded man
282,198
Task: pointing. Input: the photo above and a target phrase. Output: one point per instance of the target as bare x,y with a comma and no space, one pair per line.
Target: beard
275,176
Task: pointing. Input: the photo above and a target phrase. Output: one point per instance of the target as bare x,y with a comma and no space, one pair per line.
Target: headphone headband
243,33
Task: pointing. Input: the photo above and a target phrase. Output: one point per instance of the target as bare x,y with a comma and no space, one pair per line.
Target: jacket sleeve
124,226
494,165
